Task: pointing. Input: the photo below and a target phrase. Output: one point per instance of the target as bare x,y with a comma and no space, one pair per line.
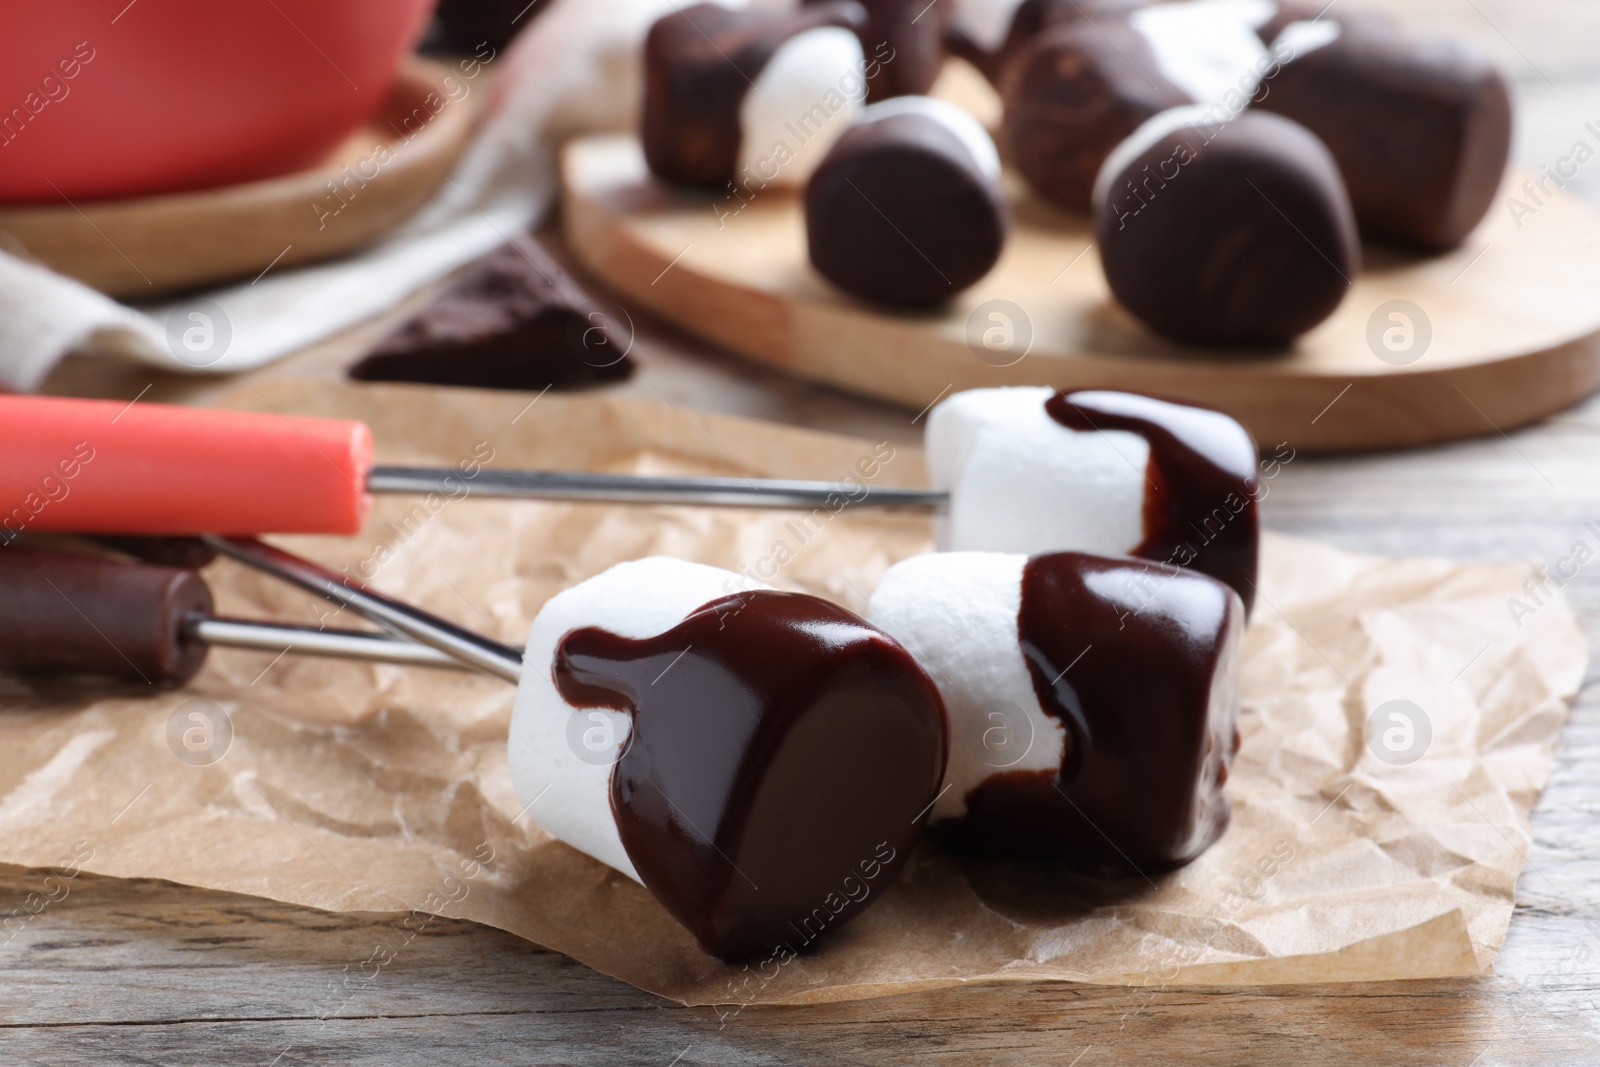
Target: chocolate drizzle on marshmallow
782,751
1202,485
1140,666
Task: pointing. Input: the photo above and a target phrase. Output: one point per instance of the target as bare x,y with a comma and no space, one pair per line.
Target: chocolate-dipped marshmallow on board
907,208
750,97
1032,471
904,41
987,33
761,761
1077,90
1230,233
1421,128
1093,703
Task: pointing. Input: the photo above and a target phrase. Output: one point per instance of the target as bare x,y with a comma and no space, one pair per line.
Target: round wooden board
137,249
1514,314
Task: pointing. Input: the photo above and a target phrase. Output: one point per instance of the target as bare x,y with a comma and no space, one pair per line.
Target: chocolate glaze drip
1421,129
1202,486
1130,657
899,213
782,750
699,63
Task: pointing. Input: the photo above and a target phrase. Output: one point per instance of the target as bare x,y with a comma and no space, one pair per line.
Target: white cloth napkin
574,70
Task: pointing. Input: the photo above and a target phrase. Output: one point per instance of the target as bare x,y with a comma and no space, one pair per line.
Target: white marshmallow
1021,482
1299,38
985,22
956,612
968,130
570,797
1208,48
789,109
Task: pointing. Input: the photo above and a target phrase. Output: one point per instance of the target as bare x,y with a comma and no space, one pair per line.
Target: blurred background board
1506,328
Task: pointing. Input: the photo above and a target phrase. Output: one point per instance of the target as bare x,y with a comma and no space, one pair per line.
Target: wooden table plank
148,972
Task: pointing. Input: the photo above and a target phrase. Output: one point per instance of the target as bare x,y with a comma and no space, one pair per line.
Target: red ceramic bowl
107,98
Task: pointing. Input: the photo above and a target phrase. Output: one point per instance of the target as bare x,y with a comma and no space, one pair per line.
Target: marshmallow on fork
1031,470
1092,703
761,761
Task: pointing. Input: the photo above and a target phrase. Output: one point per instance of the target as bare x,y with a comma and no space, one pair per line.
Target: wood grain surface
1500,321
146,972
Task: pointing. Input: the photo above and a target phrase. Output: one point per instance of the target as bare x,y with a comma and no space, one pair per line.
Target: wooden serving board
1514,315
143,248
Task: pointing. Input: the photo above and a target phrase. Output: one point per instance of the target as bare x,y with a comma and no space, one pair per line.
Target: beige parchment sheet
385,789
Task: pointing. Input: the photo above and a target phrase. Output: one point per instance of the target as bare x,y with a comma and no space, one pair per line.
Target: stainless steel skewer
220,632
638,489
473,649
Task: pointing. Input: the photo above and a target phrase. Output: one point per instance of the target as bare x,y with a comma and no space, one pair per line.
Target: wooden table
148,972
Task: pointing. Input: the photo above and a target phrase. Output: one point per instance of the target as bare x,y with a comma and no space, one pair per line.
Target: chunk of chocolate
1421,129
903,41
988,33
1231,234
1093,703
907,209
783,758
514,320
749,95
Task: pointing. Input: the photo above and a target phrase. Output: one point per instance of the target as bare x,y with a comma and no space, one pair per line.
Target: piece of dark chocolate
1239,233
903,211
515,320
1421,128
784,754
699,65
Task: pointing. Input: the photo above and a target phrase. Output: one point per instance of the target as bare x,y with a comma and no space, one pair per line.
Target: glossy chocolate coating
514,320
903,42
71,614
1237,234
698,65
1202,488
1073,94
1031,18
1421,129
899,213
780,745
1129,657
